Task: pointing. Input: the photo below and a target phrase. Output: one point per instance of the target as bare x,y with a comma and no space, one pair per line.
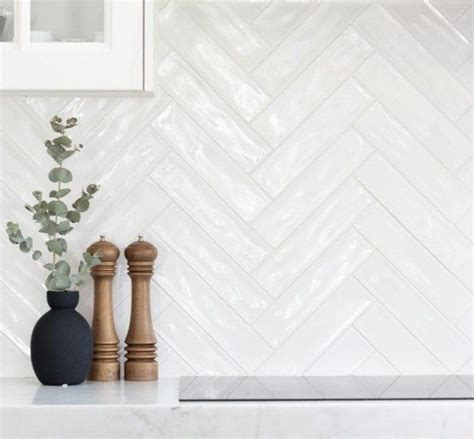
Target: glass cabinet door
7,19
67,21
84,45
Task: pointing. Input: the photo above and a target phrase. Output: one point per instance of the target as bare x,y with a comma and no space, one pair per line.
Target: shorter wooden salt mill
105,363
141,362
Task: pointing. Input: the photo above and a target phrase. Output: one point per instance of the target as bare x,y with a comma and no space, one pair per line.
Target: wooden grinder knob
141,362
105,363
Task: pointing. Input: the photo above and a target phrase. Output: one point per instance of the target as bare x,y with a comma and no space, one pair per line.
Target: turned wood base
141,371
101,371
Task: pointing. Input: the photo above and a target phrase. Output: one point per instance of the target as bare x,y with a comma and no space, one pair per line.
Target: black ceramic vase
61,343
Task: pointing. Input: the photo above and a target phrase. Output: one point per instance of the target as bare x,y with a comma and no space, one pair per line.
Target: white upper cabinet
76,45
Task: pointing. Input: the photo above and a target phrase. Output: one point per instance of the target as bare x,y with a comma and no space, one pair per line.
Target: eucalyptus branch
54,216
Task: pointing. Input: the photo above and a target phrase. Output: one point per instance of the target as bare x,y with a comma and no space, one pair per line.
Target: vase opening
63,299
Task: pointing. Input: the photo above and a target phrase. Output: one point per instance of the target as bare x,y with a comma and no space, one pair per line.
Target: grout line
413,235
389,312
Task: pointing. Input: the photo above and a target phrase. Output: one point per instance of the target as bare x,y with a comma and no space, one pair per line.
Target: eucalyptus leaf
49,227
25,245
92,189
64,227
62,267
57,246
81,204
62,175
49,266
38,195
36,255
59,194
57,208
74,216
62,140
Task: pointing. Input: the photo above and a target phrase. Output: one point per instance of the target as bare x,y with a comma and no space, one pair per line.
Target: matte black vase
61,343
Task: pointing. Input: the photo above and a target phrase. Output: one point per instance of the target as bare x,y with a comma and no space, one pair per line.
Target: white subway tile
415,262
396,343
235,237
415,312
226,76
421,118
414,61
330,320
190,141
106,140
433,30
452,9
421,219
464,23
307,42
231,32
414,161
188,340
317,182
315,134
343,356
321,79
211,112
212,314
213,265
280,18
332,218
312,288
137,161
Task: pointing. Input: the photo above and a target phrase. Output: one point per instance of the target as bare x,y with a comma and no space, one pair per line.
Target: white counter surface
127,409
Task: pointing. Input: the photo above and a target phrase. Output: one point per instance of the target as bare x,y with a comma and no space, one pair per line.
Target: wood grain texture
141,362
105,364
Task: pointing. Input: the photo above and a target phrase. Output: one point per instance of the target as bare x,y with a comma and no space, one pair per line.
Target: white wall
305,172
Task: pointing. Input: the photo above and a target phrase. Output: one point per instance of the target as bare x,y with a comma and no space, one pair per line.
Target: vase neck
62,299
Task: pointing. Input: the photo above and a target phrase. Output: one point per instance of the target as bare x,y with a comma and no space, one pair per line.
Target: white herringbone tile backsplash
305,172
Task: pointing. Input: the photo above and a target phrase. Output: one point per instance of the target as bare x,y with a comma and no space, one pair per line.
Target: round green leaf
74,216
62,267
36,255
60,174
25,246
57,208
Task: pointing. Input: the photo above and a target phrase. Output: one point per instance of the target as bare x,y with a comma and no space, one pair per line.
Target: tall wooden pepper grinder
105,363
141,362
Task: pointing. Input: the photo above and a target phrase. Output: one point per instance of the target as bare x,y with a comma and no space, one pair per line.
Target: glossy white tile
407,304
433,30
415,262
414,61
227,279
201,302
311,88
317,333
305,44
210,60
415,162
210,111
328,222
396,343
429,226
312,137
180,182
420,117
312,186
190,141
312,288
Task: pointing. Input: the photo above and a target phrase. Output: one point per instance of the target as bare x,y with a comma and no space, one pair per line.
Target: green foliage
54,217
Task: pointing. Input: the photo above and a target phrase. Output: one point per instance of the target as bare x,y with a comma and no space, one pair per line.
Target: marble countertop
131,409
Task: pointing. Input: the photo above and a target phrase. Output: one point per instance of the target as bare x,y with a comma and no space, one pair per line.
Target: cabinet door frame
112,77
